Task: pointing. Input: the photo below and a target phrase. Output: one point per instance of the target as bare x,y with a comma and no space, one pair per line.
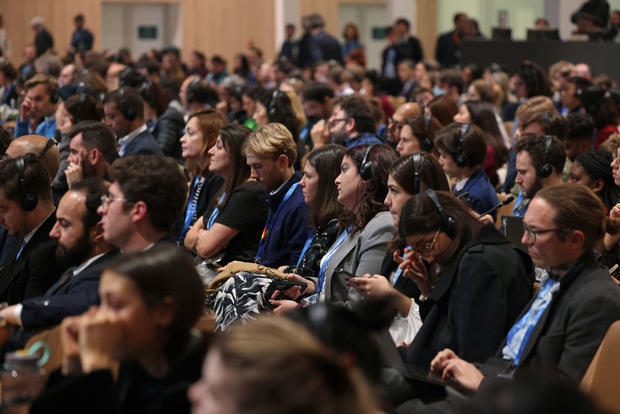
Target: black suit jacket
475,301
329,46
143,144
410,48
447,52
35,270
572,327
73,297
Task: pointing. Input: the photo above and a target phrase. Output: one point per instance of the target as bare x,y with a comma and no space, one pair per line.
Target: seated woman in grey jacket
366,228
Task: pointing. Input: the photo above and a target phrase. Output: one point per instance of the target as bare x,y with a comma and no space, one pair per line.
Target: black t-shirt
246,212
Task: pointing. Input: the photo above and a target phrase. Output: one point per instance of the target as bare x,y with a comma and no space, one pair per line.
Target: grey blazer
358,254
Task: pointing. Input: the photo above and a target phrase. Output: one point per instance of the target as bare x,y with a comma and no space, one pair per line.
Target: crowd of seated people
294,201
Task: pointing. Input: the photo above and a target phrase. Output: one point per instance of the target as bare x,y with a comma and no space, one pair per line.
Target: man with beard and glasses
540,161
352,122
82,251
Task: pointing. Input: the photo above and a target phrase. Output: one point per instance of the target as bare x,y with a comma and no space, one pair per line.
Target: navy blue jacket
363,138
482,195
290,229
143,144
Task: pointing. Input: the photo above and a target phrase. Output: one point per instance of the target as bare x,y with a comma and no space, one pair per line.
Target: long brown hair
326,161
233,137
375,189
210,121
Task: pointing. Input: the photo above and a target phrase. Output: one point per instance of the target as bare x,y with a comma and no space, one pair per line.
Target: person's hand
100,338
414,269
372,287
192,235
463,372
26,109
282,305
294,292
319,134
486,219
75,172
615,211
439,362
8,314
69,338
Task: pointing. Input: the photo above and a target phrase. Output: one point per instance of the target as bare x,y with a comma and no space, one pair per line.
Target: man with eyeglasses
563,325
395,123
143,202
352,122
82,251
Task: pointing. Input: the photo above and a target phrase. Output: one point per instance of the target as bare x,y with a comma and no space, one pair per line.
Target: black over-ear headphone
426,144
546,169
448,224
29,200
128,111
461,158
190,93
271,111
366,166
417,164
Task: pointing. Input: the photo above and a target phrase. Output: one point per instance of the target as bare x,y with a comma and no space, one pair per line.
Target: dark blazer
35,270
572,327
447,51
73,297
410,48
143,144
475,301
167,132
329,46
482,194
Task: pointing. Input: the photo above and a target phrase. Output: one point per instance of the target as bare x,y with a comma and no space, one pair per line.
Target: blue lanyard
269,223
520,205
214,214
306,247
400,271
327,258
20,249
191,208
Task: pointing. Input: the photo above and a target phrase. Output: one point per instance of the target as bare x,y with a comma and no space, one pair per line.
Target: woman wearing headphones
365,227
408,176
418,134
473,284
462,149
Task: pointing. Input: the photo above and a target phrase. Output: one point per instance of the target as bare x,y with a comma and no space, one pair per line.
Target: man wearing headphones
540,161
39,104
124,113
462,149
195,95
352,123
27,213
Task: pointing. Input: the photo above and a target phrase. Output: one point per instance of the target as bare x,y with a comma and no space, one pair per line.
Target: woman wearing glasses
472,283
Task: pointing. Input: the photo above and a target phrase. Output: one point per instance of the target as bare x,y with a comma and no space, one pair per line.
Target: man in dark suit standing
82,249
447,50
43,40
409,45
124,113
326,47
27,213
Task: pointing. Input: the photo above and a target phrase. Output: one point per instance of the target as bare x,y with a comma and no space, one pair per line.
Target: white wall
366,16
120,23
521,14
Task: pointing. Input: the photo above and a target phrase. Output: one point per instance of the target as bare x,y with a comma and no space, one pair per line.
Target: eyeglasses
107,199
533,233
426,245
394,124
332,122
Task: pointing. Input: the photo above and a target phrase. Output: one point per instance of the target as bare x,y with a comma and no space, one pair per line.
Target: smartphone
283,284
347,275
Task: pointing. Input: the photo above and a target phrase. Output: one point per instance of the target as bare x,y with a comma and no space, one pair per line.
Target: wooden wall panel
427,27
213,26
